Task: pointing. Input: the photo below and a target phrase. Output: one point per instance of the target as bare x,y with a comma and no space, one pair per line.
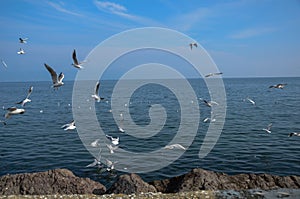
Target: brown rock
130,183
58,181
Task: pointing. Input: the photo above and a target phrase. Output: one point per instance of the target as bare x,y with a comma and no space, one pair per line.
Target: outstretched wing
52,73
75,58
97,88
29,91
61,77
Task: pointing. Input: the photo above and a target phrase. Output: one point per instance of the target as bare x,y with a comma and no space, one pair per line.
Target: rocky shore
198,183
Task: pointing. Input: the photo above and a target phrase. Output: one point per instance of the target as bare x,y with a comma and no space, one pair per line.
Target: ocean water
35,141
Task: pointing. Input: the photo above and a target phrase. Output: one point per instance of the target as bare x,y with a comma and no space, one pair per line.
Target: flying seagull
57,81
213,74
96,94
193,44
24,101
281,86
112,148
23,40
95,143
250,100
294,134
75,63
3,63
209,103
114,141
175,146
97,161
14,111
268,129
21,51
110,165
70,126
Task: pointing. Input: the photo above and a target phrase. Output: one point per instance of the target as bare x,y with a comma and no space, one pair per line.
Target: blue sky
248,38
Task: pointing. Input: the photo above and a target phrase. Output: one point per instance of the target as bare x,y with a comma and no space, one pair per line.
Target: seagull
96,94
175,146
24,101
70,126
110,165
23,40
119,127
14,111
112,148
95,143
294,134
97,161
213,74
75,63
3,63
281,86
57,81
209,103
268,129
250,100
114,141
21,51
209,119
193,44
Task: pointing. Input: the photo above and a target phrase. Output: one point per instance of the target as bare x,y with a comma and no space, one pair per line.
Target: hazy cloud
251,32
60,8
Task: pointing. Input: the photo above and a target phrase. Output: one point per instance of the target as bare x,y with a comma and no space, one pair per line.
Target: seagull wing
52,73
97,88
269,126
29,91
61,77
109,137
12,109
4,64
75,58
93,164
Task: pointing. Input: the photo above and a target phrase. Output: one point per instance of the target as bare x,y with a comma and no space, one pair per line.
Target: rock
130,183
58,181
199,179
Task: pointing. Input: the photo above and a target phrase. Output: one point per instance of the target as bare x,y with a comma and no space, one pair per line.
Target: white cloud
59,8
251,32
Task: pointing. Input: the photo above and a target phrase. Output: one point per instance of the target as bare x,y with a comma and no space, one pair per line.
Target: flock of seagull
57,81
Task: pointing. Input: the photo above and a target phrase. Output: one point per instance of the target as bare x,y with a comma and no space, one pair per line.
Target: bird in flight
294,134
194,44
57,81
75,63
213,74
24,101
14,111
23,40
70,126
268,129
21,52
96,94
281,86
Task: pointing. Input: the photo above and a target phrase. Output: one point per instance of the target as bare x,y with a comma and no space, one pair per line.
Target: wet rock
199,179
130,183
58,181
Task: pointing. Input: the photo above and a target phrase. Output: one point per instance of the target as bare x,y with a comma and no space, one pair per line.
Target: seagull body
96,94
193,44
95,143
294,134
250,100
23,40
21,51
57,81
70,126
268,129
24,101
3,63
75,63
213,74
121,129
281,86
175,146
114,141
14,111
112,148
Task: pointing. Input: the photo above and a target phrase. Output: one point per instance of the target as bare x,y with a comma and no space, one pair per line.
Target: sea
35,141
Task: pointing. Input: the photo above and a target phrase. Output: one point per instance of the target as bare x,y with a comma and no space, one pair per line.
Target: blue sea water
35,141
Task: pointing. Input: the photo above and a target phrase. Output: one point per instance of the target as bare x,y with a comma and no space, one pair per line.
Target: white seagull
110,165
114,141
250,100
95,143
294,134
193,44
281,86
209,103
14,111
97,161
23,40
175,146
21,51
75,63
24,101
3,63
70,126
213,74
96,94
57,81
112,148
268,129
